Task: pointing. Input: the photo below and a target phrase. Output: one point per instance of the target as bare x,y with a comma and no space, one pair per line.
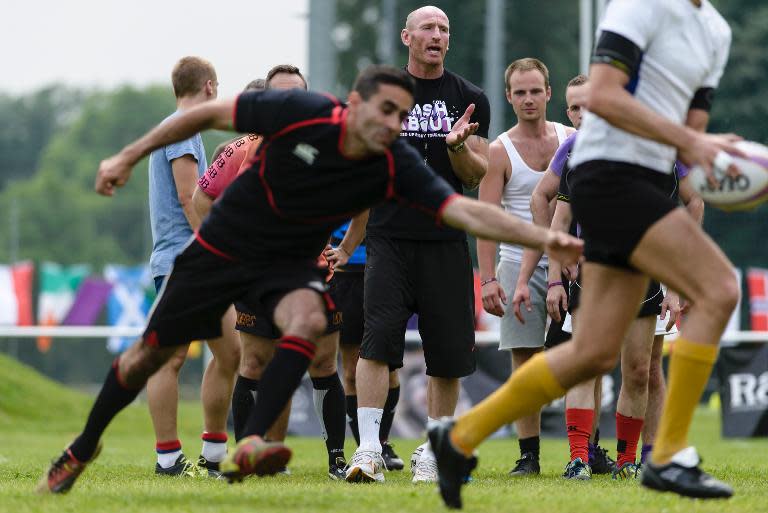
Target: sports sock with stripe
168,451
214,446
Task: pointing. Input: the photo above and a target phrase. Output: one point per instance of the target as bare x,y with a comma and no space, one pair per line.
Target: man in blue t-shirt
173,174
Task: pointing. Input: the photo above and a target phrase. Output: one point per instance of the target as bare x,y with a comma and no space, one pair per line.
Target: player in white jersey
518,159
655,67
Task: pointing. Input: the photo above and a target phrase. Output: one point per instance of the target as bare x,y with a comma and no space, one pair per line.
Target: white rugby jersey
684,47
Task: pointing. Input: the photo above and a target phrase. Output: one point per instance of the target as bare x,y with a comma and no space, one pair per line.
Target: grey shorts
515,334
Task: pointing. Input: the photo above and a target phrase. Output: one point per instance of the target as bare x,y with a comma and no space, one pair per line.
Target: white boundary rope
101,332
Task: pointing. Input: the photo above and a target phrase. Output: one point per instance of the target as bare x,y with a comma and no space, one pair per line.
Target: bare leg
219,376
163,396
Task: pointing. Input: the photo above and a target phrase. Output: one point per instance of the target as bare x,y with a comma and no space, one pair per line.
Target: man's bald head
423,12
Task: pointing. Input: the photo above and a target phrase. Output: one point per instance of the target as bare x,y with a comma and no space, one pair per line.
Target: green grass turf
38,417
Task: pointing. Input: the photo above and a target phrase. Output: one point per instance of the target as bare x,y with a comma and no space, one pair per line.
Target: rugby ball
743,192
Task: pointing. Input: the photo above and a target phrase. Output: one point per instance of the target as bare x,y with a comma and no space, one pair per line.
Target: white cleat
365,467
425,470
416,456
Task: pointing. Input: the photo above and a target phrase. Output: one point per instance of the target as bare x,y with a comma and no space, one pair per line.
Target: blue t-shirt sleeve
416,183
561,155
181,148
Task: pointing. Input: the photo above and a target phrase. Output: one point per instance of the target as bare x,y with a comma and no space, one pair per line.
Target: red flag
757,284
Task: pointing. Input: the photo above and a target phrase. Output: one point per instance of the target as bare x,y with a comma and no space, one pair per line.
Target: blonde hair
190,75
526,64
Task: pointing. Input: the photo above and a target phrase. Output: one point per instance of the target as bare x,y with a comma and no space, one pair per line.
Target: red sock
627,435
578,422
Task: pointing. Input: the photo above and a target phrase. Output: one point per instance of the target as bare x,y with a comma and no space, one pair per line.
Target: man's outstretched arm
491,222
116,170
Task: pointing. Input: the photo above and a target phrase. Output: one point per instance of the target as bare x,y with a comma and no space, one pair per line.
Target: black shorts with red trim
205,282
260,325
346,289
615,203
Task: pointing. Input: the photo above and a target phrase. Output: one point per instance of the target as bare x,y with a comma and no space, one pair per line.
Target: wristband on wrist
555,284
458,148
486,282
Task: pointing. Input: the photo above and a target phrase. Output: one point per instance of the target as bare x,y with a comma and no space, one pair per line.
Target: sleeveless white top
516,198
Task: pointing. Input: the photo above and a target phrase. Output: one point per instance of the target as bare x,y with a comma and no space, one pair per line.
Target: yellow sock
689,368
528,389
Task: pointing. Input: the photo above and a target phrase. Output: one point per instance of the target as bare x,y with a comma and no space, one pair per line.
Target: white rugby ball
742,192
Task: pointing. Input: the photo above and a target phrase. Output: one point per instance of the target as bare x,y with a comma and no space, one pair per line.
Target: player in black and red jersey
321,163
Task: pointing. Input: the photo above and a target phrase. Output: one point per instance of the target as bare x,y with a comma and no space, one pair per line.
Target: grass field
37,418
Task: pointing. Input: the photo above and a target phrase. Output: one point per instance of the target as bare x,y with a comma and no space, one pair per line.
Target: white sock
427,452
369,422
167,459
215,452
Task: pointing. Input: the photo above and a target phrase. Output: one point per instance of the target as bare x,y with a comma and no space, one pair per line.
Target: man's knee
310,326
256,355
635,374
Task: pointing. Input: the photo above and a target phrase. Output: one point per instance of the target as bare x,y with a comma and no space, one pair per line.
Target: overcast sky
108,42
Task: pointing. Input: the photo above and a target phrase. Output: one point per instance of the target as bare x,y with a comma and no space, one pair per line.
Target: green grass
38,417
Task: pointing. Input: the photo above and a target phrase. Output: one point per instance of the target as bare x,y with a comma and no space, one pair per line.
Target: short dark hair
577,81
368,81
190,75
256,85
284,68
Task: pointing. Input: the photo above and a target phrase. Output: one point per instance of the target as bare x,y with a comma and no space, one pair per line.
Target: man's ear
405,37
354,98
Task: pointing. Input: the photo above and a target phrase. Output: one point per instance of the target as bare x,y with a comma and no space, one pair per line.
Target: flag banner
88,303
757,286
58,286
743,380
16,294
129,300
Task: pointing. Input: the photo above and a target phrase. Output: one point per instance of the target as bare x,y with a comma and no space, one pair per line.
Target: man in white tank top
518,159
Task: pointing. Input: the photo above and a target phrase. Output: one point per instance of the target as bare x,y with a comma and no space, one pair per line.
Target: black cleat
453,468
337,471
211,468
600,462
527,465
391,460
182,467
683,476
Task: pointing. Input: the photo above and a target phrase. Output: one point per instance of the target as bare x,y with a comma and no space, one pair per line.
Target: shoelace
427,466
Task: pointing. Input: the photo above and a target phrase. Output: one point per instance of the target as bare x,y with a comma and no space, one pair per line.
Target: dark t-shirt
300,186
439,103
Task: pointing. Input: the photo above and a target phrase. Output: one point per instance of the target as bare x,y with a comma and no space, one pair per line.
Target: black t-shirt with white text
438,104
300,186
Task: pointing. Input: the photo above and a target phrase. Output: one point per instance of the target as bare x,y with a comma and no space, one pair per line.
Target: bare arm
491,188
692,201
470,162
541,199
202,203
561,221
608,98
185,177
341,254
116,170
491,222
